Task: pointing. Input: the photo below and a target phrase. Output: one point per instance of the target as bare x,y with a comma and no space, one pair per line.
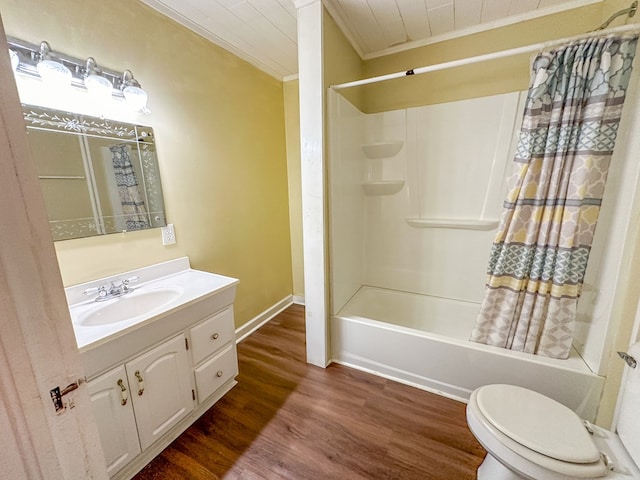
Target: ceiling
264,33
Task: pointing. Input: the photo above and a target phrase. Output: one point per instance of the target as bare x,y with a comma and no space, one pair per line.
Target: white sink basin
129,306
160,291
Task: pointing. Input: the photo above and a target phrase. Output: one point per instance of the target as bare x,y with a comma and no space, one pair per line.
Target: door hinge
193,394
186,343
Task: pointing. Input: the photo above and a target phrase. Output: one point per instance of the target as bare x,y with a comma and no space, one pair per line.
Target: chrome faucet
113,290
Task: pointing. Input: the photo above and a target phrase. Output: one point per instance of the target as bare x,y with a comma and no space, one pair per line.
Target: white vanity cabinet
137,403
155,371
214,352
111,401
162,394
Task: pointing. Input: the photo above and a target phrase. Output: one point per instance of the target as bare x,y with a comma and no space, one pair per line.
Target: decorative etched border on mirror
71,122
98,176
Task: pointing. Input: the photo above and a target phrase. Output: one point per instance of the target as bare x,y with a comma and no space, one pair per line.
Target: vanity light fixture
134,95
39,61
52,72
98,86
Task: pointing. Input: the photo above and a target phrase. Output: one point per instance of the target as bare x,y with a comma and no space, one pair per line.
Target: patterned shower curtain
133,206
539,257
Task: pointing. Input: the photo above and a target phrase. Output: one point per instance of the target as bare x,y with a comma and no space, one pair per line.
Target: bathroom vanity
158,349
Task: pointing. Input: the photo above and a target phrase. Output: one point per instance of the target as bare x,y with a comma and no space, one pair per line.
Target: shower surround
415,196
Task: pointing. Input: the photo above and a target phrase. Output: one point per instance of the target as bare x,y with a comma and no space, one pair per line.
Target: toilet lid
537,422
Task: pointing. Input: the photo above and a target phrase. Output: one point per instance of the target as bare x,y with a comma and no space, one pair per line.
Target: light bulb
98,86
54,73
136,97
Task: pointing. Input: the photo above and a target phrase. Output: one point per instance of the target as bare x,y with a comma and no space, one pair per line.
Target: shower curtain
133,206
539,257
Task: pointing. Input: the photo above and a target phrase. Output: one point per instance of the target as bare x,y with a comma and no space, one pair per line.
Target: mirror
98,176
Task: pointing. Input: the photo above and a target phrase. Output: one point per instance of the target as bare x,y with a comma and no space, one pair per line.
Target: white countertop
192,286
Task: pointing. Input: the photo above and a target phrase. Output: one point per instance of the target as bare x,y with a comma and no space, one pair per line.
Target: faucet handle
101,291
125,283
129,280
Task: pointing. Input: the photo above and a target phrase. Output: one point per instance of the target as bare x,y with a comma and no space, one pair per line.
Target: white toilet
530,436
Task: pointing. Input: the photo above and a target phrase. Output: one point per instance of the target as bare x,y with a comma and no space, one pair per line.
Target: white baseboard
406,378
298,299
259,320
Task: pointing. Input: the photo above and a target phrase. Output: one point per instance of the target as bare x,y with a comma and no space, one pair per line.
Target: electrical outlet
168,235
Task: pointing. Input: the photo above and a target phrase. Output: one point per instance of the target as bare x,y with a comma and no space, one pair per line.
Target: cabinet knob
215,336
219,374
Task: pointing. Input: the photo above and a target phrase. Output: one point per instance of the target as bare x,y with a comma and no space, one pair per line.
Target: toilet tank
628,424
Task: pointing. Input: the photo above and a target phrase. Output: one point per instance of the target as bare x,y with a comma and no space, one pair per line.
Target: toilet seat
537,422
529,462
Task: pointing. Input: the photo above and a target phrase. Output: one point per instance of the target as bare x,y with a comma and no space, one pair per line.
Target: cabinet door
111,402
162,392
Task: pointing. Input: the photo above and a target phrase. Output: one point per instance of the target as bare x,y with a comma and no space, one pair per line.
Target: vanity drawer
211,335
214,373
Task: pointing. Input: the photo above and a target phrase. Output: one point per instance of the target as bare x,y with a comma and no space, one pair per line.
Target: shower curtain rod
490,56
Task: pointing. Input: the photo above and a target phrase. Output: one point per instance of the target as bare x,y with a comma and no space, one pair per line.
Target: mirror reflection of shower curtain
133,206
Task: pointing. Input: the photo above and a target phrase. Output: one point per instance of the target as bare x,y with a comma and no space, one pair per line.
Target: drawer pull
219,374
215,336
123,392
140,382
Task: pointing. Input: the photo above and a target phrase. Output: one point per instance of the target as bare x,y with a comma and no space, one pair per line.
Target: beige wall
487,78
292,123
219,124
341,62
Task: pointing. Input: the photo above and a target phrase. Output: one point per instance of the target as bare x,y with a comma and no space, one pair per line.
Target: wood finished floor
289,420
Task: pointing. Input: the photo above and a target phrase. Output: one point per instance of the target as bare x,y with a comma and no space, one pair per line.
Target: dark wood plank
289,420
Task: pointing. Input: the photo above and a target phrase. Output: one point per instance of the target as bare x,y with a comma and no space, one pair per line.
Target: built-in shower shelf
459,223
382,149
383,187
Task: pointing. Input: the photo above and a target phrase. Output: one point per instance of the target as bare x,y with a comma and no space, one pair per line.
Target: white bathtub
422,341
